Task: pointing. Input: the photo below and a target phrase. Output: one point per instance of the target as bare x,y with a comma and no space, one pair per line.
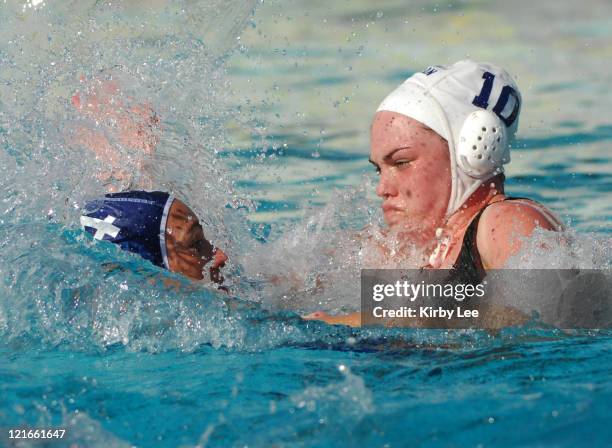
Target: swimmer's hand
351,320
496,317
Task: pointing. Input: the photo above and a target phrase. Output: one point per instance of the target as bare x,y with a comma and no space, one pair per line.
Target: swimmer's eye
197,233
402,162
194,237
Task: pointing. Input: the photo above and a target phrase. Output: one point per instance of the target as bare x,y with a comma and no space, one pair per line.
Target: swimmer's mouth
390,208
215,270
217,277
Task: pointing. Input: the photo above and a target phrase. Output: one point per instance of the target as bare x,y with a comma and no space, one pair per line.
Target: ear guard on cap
483,144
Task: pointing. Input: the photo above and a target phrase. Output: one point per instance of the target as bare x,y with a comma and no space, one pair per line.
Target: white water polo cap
474,106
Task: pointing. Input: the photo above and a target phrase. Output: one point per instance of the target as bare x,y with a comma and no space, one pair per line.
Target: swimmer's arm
136,129
502,228
355,319
494,317
351,320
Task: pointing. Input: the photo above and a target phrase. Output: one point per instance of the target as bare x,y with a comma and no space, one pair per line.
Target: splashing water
333,403
165,57
95,340
147,80
161,67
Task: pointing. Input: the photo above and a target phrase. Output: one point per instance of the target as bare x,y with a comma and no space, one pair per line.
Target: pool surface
265,111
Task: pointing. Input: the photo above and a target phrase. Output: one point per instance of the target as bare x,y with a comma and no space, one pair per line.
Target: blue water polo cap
135,220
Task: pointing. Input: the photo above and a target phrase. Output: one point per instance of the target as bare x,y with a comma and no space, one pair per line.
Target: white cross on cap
103,227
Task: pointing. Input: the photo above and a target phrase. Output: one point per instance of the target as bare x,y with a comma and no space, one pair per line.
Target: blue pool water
265,114
544,390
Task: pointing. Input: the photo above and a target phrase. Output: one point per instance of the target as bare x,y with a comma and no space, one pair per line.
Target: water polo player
439,143
153,224
159,228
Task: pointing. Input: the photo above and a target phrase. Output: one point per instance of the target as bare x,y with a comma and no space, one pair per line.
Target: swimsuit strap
469,262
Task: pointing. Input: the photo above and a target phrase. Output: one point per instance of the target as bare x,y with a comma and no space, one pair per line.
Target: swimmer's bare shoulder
504,225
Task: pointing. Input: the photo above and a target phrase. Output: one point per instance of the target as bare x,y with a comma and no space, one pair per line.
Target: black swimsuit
468,267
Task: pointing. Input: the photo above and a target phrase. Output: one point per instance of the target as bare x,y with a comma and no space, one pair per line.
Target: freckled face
413,163
188,250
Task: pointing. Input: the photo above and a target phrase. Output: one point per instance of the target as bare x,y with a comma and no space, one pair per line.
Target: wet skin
413,164
189,252
137,130
415,184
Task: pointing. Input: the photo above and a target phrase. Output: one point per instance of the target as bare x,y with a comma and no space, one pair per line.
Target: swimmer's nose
220,259
385,187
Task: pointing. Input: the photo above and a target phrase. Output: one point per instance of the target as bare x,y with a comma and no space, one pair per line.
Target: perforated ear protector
482,148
